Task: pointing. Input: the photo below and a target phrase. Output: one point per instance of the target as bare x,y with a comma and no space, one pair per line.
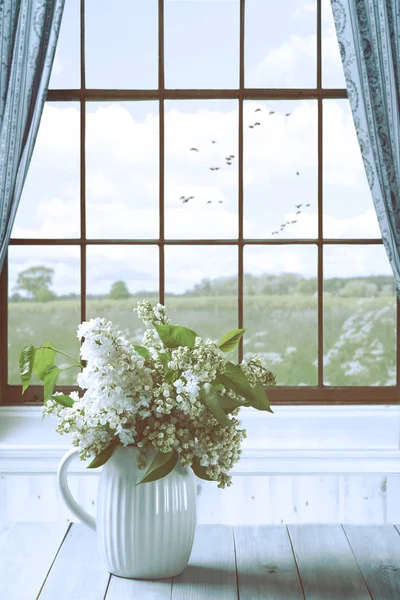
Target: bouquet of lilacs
174,393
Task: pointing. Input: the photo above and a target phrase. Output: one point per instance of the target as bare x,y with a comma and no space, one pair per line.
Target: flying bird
185,200
287,114
251,126
208,201
298,212
271,112
293,222
297,173
228,162
298,205
190,197
257,123
220,201
257,110
213,141
194,149
308,204
182,197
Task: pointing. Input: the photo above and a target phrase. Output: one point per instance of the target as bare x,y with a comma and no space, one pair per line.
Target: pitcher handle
62,484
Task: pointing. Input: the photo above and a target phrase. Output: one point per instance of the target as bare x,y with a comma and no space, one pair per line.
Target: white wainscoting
302,464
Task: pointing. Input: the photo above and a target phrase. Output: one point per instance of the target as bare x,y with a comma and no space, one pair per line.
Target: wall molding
295,440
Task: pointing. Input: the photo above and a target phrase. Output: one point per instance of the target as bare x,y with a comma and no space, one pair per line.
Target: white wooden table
297,562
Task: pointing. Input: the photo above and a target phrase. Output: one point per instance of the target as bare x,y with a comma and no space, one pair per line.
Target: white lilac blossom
150,396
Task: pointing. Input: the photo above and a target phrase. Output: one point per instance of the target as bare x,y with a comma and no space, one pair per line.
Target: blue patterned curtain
28,38
368,33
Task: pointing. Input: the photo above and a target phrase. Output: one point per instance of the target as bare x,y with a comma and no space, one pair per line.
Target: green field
359,334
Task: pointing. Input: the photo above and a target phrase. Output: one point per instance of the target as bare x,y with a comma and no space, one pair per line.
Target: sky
122,180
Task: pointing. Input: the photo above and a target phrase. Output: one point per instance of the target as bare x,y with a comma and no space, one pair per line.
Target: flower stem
76,364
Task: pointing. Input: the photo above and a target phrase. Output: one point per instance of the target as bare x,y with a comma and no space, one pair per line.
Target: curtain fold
28,37
368,34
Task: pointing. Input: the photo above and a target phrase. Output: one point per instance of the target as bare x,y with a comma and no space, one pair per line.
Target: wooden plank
377,551
78,571
130,589
26,558
326,563
211,571
265,564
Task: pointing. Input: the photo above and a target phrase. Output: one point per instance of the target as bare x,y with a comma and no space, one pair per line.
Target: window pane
280,44
121,44
280,169
200,181
201,44
348,206
117,278
66,71
44,303
332,69
201,288
122,161
49,206
280,310
359,317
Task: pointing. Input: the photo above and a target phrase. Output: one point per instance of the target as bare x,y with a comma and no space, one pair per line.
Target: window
202,153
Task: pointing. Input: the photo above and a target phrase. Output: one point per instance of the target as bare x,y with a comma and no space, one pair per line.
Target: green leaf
26,360
261,401
234,379
162,464
173,336
165,357
63,400
209,398
49,380
199,470
236,374
44,358
104,454
230,340
228,405
141,350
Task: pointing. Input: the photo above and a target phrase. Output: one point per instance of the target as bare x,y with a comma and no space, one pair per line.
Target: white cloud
309,8
291,64
57,65
122,183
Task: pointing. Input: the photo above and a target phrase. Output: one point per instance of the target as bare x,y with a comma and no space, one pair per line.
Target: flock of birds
283,225
229,160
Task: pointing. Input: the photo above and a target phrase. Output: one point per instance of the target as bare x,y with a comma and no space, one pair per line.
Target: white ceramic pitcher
144,531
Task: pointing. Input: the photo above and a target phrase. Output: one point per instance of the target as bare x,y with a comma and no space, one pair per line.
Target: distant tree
15,297
36,281
359,289
307,287
119,291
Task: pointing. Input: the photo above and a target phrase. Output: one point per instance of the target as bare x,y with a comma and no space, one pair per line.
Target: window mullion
161,87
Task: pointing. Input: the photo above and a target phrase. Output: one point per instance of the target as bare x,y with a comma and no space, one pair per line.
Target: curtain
368,33
28,38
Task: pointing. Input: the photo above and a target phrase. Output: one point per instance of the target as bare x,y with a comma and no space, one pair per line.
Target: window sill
295,440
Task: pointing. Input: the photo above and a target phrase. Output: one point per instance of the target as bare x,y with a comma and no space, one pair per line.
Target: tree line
35,284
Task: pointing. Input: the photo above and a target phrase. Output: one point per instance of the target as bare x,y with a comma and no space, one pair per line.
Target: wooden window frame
301,395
